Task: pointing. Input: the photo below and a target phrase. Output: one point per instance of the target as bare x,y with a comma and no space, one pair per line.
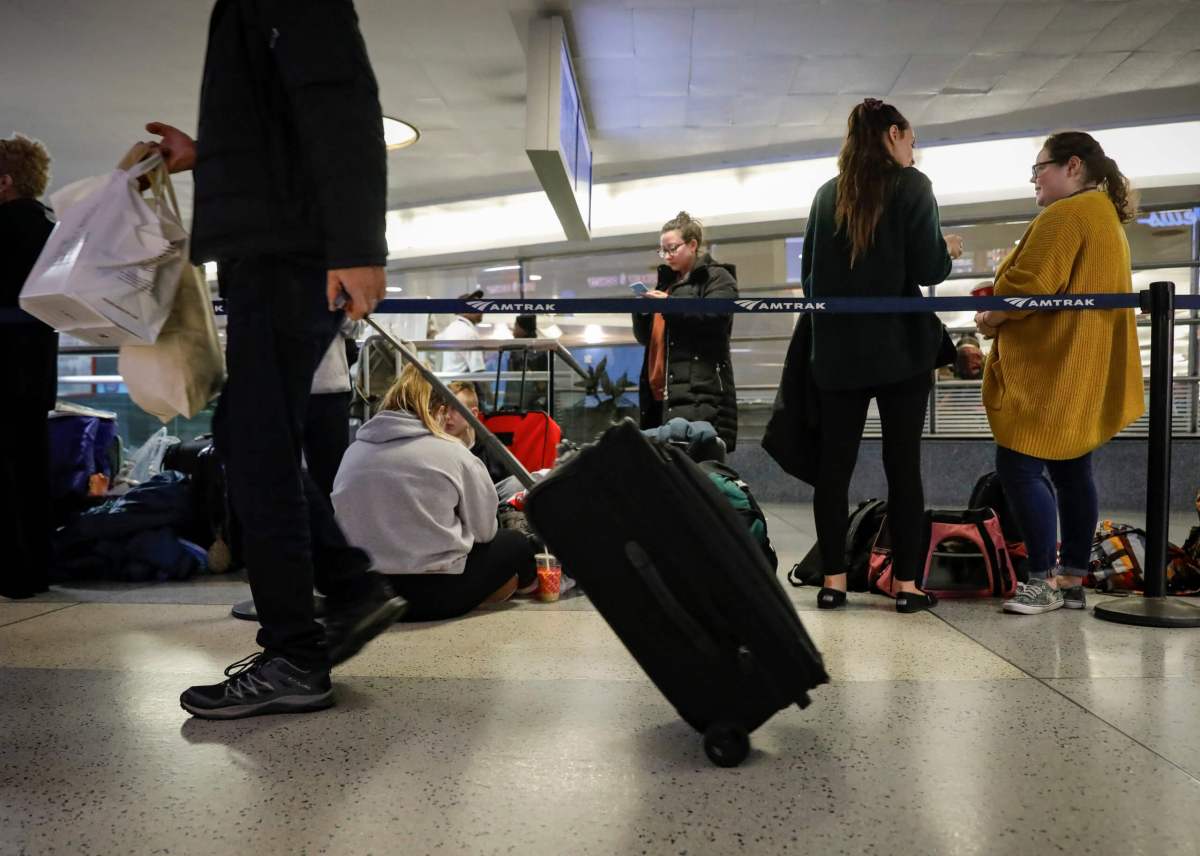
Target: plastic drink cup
986,290
549,571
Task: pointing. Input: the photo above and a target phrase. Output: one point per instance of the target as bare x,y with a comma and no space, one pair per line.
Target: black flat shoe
910,602
828,598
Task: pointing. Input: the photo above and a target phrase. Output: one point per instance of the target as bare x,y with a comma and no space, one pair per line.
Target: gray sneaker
1074,598
1034,598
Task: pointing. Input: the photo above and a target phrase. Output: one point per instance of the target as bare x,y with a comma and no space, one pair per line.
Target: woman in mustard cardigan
1058,385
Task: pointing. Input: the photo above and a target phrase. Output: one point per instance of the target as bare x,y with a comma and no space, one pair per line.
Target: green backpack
738,493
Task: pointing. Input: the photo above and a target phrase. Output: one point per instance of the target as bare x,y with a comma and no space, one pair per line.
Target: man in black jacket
29,351
291,183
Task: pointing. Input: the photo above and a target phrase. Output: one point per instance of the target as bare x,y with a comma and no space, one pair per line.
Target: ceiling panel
602,30
848,75
723,32
662,112
1081,73
1182,33
710,111
715,76
1016,26
1186,72
981,72
669,76
1074,27
757,110
1031,73
1138,71
609,114
1134,26
805,109
926,75
767,75
662,32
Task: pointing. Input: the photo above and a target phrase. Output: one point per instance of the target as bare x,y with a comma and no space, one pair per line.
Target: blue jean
1034,500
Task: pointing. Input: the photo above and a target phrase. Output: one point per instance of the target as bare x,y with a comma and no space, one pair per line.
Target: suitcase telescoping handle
511,349
489,439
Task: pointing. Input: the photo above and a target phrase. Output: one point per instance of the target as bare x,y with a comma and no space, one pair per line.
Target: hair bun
684,217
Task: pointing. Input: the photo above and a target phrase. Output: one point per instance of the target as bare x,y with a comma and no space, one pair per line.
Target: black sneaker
350,626
261,684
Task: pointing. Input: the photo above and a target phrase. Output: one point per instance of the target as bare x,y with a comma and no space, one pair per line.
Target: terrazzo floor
528,729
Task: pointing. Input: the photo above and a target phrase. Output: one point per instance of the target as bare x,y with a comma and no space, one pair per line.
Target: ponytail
865,167
1098,167
1117,186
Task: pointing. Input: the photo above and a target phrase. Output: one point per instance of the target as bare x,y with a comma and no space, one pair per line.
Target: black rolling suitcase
666,561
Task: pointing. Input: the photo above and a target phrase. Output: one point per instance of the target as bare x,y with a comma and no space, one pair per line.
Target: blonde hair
412,393
459,387
28,162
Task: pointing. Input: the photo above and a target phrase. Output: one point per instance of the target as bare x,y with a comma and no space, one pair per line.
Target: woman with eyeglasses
1058,385
874,231
686,371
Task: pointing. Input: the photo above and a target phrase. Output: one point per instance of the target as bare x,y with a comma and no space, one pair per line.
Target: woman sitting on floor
424,508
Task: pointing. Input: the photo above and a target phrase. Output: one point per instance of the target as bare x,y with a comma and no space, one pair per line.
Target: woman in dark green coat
874,231
686,371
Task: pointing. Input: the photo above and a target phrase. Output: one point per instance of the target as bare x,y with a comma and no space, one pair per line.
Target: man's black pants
279,326
25,482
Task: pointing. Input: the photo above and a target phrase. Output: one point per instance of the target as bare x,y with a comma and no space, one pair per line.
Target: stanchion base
247,611
1150,612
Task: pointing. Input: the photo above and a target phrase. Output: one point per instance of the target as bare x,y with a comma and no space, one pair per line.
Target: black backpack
864,525
988,493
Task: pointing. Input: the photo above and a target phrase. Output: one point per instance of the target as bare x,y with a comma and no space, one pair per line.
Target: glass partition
1163,247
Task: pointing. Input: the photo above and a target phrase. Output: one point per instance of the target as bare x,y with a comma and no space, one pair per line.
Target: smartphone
638,288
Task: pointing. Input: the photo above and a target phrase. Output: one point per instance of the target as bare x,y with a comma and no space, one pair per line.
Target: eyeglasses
1037,168
667,252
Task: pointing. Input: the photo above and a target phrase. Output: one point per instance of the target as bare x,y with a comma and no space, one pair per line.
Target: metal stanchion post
1155,609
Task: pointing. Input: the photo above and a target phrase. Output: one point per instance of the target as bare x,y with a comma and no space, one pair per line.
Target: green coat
860,351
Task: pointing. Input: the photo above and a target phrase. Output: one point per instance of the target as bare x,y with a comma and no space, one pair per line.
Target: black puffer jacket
290,157
700,384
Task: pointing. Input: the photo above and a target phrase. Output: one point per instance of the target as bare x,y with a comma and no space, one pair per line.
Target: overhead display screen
557,139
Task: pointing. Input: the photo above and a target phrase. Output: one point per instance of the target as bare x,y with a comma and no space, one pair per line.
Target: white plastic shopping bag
109,270
183,371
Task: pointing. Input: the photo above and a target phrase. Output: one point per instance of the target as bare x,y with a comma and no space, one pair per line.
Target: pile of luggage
157,514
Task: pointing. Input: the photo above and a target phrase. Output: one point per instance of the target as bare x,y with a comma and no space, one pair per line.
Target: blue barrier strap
748,305
759,305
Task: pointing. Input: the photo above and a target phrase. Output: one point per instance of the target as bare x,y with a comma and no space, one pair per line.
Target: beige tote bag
185,367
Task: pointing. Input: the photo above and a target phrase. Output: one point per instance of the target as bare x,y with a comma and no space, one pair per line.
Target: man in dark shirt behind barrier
29,352
291,183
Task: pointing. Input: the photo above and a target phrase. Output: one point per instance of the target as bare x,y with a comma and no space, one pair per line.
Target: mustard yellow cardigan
1057,385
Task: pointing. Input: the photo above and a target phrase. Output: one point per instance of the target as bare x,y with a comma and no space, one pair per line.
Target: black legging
433,597
902,418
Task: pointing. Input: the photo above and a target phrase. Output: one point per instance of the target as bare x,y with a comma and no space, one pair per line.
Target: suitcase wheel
726,744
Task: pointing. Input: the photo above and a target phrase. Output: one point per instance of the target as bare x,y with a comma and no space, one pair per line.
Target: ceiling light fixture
398,134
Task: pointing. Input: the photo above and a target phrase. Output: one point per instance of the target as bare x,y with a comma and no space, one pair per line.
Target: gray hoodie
415,502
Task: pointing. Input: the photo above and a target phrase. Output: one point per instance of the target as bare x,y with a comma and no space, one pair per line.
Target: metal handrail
488,345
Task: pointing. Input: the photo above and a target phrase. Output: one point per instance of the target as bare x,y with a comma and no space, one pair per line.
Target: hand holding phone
639,288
